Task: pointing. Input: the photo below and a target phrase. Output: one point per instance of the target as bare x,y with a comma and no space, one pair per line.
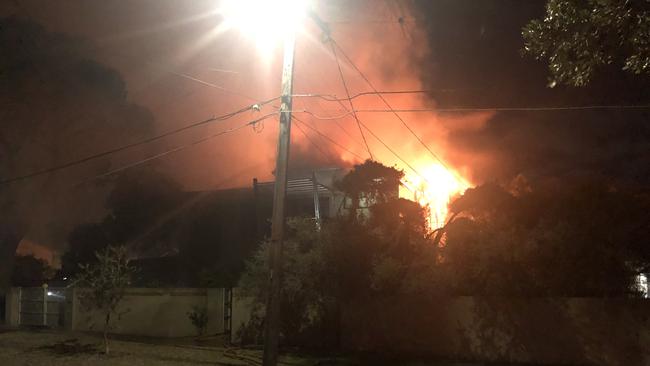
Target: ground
39,347
54,348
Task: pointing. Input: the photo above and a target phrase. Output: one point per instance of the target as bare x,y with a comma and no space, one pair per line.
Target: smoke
474,50
58,106
466,53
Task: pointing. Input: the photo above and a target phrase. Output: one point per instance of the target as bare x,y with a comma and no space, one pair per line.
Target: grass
54,348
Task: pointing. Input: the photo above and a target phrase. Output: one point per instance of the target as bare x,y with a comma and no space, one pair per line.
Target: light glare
265,21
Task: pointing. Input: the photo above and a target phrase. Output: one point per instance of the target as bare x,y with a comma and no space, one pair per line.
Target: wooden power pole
272,329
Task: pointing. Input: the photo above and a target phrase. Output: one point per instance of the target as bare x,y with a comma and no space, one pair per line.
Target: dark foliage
30,271
58,105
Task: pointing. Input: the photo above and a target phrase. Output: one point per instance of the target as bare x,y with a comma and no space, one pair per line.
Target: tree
137,203
105,282
30,271
57,105
83,242
576,237
579,37
371,182
386,254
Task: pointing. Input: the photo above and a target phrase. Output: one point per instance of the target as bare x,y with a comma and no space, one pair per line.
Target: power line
334,44
330,140
347,92
466,110
394,153
134,144
178,148
211,85
334,98
370,131
341,127
338,124
371,21
309,139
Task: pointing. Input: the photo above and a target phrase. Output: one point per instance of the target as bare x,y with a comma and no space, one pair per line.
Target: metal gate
42,306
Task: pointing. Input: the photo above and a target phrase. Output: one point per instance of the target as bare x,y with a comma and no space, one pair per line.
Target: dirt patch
70,347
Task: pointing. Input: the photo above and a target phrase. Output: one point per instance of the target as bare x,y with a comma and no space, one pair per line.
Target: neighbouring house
206,240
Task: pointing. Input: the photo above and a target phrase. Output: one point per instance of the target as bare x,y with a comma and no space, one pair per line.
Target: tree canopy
579,38
30,271
570,238
136,204
58,104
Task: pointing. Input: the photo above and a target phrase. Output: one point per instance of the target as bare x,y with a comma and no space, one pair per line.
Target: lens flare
433,187
266,21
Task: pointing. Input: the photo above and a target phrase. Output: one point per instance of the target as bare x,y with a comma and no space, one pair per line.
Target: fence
155,312
537,330
41,306
575,331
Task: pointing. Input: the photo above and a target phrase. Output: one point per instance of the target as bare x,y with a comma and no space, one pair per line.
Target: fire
433,187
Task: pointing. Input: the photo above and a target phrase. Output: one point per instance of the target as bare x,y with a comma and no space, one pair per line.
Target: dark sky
470,49
475,46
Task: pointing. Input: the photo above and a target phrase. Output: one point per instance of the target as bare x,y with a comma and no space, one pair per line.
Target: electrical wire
134,144
347,93
206,83
330,139
368,129
334,98
370,21
178,148
340,126
467,110
311,141
334,44
395,153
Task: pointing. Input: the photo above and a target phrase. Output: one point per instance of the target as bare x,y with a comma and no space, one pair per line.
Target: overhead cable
134,144
347,92
330,140
334,44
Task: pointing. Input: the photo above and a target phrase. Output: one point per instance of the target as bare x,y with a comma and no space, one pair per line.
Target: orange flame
433,187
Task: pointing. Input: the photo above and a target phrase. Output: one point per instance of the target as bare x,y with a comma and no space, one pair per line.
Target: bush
199,318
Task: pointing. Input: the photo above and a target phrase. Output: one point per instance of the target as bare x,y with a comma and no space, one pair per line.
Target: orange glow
434,189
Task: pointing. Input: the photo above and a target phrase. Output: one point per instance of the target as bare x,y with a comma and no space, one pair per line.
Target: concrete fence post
214,306
12,307
71,311
45,305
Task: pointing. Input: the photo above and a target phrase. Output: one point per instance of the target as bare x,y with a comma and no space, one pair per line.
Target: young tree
106,281
579,37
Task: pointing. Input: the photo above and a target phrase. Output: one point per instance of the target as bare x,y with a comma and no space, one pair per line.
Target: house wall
151,312
538,330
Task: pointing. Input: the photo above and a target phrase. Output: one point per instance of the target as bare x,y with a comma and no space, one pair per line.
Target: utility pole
316,200
272,329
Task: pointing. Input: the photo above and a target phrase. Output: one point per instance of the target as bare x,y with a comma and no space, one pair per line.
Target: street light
265,21
268,21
